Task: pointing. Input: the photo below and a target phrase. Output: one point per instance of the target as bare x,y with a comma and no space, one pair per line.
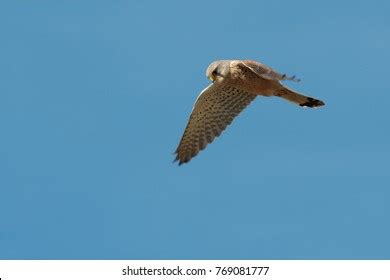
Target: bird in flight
236,83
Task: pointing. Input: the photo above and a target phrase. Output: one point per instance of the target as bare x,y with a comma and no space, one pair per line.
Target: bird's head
218,70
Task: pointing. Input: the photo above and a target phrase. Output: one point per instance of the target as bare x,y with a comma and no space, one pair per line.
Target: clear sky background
94,97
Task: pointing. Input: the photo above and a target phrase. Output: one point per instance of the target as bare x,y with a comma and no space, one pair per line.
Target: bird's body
248,80
235,84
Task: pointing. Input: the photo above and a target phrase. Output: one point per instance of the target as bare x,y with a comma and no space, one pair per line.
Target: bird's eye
215,72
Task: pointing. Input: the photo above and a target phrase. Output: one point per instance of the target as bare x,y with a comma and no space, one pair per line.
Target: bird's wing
265,72
214,109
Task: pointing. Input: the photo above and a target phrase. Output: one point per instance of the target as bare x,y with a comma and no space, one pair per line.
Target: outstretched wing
214,109
266,72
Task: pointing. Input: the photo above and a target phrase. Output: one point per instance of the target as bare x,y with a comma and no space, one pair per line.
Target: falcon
236,83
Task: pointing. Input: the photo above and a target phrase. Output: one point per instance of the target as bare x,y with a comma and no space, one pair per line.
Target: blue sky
94,97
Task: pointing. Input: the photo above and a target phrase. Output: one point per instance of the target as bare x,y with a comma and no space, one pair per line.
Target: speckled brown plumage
214,110
235,84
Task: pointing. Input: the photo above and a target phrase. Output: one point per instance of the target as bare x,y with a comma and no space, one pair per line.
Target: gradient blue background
94,97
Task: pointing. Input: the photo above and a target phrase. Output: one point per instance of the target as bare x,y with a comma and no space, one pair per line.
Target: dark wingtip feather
176,158
179,160
292,78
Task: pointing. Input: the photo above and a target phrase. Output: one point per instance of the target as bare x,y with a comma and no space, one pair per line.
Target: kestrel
236,83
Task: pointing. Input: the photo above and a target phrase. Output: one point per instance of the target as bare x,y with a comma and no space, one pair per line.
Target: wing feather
214,109
266,72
